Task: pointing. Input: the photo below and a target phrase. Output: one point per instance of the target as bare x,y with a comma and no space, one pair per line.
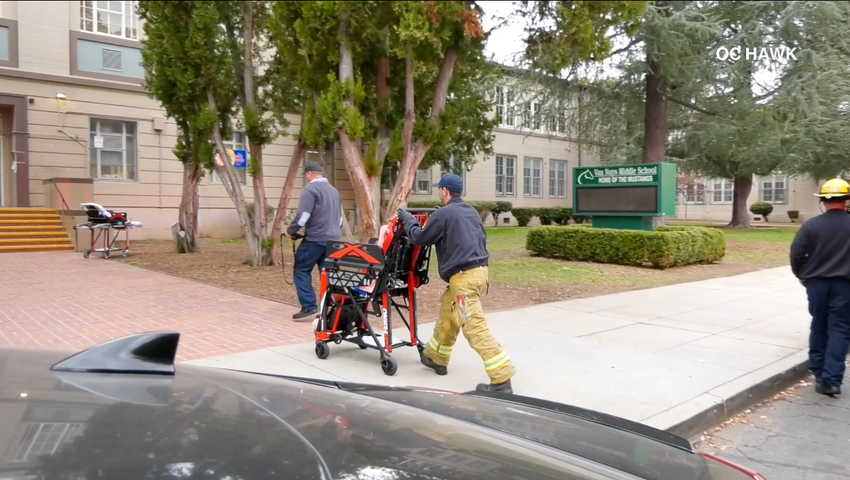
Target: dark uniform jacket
821,248
458,234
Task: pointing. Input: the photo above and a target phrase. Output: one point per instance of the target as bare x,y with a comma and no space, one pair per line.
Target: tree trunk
415,150
655,115
285,196
185,231
352,154
740,214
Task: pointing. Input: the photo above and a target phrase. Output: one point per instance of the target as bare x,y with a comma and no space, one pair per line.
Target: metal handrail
61,196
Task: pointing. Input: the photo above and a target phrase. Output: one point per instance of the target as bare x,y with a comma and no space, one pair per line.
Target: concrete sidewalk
677,358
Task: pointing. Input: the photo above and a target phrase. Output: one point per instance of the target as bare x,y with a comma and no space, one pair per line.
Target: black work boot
495,387
304,315
830,390
438,369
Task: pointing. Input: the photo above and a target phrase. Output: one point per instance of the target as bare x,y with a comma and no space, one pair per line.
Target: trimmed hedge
665,247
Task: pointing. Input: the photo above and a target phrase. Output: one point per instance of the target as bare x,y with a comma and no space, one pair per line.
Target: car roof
233,425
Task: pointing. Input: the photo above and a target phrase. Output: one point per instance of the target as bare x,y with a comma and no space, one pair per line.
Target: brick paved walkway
63,301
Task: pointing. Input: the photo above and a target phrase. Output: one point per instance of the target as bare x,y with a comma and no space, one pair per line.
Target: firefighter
461,243
820,259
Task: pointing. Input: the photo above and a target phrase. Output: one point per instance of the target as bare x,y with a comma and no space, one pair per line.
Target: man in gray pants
320,214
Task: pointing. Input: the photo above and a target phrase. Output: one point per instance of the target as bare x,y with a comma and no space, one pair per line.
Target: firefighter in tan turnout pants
461,243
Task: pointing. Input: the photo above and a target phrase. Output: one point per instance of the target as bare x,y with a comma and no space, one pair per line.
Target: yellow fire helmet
835,188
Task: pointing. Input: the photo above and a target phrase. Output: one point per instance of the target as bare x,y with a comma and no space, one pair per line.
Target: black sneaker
304,315
829,390
438,369
495,387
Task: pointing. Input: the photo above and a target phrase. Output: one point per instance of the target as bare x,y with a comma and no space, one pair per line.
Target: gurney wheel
86,254
389,366
362,347
106,254
322,350
125,253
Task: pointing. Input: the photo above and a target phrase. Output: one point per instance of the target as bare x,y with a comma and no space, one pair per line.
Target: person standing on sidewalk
320,214
461,241
820,259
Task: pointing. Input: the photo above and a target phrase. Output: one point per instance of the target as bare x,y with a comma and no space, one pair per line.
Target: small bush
562,215
484,209
250,208
425,204
793,215
665,247
546,215
501,207
761,208
580,220
523,215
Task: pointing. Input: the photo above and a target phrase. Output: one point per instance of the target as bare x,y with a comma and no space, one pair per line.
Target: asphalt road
798,435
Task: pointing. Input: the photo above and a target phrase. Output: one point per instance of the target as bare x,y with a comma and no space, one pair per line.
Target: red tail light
744,470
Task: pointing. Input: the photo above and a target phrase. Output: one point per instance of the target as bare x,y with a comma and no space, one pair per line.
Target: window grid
722,191
43,439
117,158
422,182
328,165
532,177
695,193
505,107
117,19
558,178
774,189
505,176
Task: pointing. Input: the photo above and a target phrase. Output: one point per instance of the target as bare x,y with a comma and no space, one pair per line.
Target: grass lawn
516,279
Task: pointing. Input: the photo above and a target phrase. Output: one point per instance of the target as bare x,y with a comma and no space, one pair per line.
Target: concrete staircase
32,230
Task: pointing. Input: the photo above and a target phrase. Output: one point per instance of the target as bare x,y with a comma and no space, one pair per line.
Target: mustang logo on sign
587,174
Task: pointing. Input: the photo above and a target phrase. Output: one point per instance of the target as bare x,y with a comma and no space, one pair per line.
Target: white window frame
129,20
505,108
238,139
555,183
423,175
771,180
506,175
531,118
725,189
695,193
131,145
532,186
557,122
24,452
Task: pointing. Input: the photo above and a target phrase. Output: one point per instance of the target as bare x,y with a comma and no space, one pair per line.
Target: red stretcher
106,224
364,280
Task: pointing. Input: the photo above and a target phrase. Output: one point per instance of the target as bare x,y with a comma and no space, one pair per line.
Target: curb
695,416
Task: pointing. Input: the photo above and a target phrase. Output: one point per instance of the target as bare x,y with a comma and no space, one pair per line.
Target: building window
558,120
532,177
112,150
505,106
328,162
505,176
721,191
110,18
695,193
774,189
557,178
531,116
237,142
44,439
422,182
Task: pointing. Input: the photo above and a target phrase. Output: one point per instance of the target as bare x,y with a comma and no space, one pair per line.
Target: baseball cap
312,167
450,182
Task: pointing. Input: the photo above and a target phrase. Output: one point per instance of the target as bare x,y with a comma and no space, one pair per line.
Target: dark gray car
122,411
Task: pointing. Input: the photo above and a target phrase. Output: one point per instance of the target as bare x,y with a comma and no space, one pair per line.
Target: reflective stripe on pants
460,310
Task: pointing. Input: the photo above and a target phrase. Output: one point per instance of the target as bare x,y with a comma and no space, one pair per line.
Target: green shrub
425,204
545,215
665,247
581,219
502,207
250,209
793,215
523,215
761,208
484,209
562,215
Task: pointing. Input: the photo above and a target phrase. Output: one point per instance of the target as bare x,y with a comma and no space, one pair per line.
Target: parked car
122,410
